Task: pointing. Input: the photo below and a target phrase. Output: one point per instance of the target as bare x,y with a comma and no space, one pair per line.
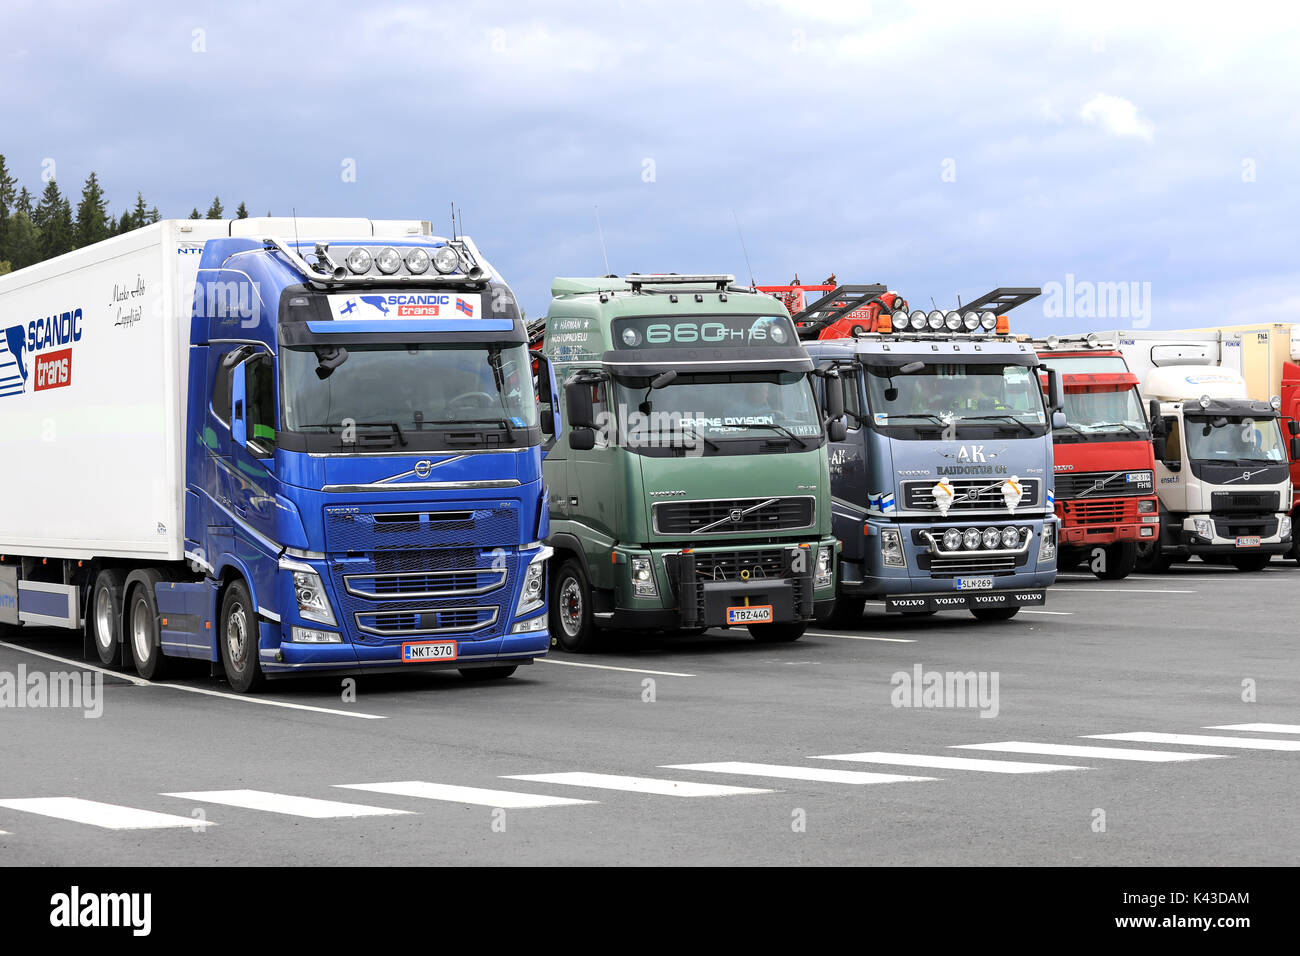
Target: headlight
445,260
1010,537
1146,507
1204,527
935,320
1284,527
951,539
988,321
533,593
971,539
891,549
417,261
313,605
824,562
310,635
631,338
1047,543
917,321
643,577
778,334
992,536
971,321
359,261
389,260
953,321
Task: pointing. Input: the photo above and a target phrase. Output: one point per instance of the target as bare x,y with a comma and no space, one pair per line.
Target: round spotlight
991,537
1276,402
631,338
446,260
1204,401
1053,341
359,261
900,320
935,320
988,321
971,538
1010,537
951,539
953,321
917,321
971,321
778,335
417,261
389,260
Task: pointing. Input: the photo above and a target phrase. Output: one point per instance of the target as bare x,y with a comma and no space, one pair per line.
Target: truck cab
943,485
1222,470
691,487
1104,465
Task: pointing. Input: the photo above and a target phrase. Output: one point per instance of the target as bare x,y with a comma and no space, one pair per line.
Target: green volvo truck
690,486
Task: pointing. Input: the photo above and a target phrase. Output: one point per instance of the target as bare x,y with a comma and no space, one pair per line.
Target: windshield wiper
330,426
695,433
499,422
1108,426
1076,429
941,422
780,428
1005,418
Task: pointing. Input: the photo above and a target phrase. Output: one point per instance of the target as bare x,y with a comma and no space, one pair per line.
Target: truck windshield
1234,440
717,407
976,397
1103,416
416,387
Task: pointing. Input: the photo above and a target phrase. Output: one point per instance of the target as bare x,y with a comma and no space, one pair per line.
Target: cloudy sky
940,148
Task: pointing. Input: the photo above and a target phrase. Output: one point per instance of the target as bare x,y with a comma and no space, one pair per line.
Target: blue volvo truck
281,447
943,486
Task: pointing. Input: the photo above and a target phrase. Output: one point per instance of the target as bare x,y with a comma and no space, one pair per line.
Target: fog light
991,537
531,626
1146,507
643,578
1146,532
971,539
825,564
891,549
1010,537
951,539
1204,527
309,635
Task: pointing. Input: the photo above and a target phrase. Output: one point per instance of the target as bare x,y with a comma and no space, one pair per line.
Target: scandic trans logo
38,356
431,305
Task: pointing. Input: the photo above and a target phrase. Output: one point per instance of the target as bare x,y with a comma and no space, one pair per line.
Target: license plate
417,653
974,584
761,614
1248,541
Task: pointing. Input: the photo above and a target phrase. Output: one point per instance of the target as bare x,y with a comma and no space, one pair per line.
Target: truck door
253,423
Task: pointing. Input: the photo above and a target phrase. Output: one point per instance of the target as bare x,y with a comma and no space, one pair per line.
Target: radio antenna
601,234
453,220
752,282
296,243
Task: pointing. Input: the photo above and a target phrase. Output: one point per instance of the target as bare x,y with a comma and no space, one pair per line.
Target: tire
994,613
141,630
571,620
1069,560
105,619
1251,562
478,674
777,633
1120,560
237,638
1294,553
846,611
1152,559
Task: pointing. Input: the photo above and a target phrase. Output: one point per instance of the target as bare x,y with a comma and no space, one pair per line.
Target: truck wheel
106,616
994,613
1120,560
571,621
488,673
846,611
1152,559
142,628
778,632
1251,562
1069,560
238,639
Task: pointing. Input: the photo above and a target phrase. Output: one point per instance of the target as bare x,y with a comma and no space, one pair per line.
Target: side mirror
238,404
836,430
577,402
546,418
1293,426
1055,391
1058,420
547,392
582,439
1158,445
1295,448
1157,421
834,397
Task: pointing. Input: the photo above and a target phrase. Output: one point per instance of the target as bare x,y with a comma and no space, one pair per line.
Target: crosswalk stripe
1261,728
1200,740
504,799
950,763
609,781
1081,750
108,816
818,774
285,803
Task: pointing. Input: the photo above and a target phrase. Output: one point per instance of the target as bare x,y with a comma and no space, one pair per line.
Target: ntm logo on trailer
33,354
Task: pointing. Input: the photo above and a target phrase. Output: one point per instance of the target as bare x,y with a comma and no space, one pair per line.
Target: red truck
1104,463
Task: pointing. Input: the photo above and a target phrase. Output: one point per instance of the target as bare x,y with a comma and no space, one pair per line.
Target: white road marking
819,774
285,803
1200,740
610,667
1026,610
241,698
608,781
505,799
1079,750
857,637
1261,728
106,815
950,763
1134,590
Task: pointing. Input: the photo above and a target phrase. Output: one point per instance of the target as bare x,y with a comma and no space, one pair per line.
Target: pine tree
240,213
8,196
125,224
194,214
24,241
54,221
139,215
216,210
24,203
93,222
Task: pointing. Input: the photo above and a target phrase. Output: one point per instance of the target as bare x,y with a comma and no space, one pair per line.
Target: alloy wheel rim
571,607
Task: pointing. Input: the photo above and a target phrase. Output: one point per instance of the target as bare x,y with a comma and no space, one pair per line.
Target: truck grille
352,530
727,565
466,583
418,621
1265,526
919,495
739,514
974,564
1074,484
1260,502
1101,511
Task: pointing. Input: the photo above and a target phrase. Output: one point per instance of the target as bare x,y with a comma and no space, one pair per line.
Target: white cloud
1117,116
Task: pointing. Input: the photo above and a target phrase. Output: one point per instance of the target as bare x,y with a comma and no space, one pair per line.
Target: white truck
1222,468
